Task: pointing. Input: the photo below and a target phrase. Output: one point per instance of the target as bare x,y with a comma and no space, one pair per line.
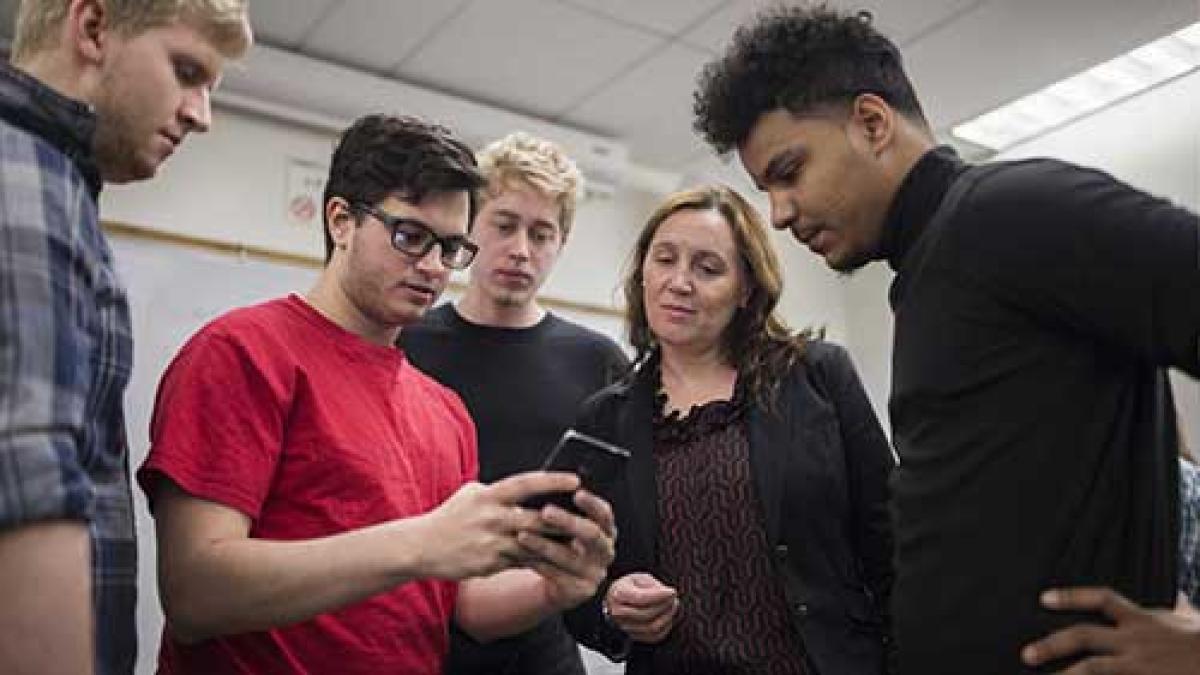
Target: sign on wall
305,187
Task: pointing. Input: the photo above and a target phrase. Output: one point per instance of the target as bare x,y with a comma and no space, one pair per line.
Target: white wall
869,323
229,185
1151,141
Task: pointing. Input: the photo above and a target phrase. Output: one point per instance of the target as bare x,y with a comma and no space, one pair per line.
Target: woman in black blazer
754,531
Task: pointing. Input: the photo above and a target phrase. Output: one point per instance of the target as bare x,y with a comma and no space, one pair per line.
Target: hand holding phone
597,463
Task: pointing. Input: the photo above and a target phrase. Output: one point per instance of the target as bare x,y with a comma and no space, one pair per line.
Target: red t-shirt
309,430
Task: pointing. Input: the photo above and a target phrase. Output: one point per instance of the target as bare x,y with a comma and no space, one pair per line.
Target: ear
86,29
341,221
875,120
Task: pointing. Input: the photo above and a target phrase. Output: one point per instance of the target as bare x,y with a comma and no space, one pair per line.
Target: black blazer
820,464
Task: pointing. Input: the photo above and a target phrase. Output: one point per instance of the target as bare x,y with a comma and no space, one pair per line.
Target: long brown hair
756,342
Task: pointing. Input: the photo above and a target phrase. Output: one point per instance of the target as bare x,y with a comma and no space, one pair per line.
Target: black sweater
522,386
1036,306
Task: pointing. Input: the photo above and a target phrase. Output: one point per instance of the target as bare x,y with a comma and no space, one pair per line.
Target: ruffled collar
677,427
63,122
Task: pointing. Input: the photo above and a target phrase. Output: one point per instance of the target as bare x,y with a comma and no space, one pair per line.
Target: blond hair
521,158
224,23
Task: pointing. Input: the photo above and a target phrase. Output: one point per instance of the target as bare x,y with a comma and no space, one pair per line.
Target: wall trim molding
139,232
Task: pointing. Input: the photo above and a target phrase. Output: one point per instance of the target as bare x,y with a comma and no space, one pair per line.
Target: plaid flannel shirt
1189,531
65,350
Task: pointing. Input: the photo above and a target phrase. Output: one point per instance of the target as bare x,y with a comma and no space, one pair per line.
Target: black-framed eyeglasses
414,238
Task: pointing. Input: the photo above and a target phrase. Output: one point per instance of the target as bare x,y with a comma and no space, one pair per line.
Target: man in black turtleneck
1037,305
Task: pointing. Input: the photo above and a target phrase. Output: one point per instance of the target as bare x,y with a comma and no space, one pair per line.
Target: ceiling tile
715,31
284,23
901,20
377,35
906,21
531,56
650,108
1057,39
608,66
662,16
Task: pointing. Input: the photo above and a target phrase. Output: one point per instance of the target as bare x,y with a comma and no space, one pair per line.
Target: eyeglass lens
416,240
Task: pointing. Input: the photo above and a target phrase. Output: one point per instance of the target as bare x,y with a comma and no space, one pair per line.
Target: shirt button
781,552
801,609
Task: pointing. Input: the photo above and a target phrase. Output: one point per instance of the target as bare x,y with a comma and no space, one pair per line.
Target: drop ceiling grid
378,36
531,56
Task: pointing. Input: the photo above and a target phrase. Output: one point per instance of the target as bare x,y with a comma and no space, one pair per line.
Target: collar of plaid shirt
66,123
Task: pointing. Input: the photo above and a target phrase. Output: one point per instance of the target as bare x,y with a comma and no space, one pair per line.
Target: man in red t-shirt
313,492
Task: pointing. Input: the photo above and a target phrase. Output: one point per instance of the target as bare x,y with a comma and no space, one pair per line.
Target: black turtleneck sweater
1036,306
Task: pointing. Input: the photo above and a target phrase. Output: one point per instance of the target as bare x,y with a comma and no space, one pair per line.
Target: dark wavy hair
756,342
800,59
384,155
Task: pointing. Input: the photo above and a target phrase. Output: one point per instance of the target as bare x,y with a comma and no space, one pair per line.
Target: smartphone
597,463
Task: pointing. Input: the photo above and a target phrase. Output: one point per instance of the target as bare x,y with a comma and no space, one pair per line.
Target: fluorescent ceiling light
1079,95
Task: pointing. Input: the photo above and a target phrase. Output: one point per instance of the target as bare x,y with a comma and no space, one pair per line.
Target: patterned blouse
713,550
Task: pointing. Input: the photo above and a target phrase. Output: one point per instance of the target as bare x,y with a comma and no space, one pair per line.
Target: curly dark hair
801,59
756,342
384,155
